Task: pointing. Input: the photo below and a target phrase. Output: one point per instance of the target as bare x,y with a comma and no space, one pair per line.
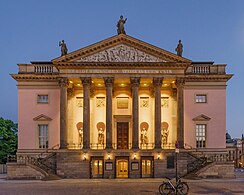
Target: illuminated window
200,135
42,99
146,167
97,168
201,98
43,136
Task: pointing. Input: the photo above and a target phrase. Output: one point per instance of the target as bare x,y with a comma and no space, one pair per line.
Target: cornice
77,65
224,77
26,77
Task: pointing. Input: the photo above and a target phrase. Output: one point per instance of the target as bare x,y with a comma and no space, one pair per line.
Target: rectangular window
200,136
43,136
42,99
170,162
201,98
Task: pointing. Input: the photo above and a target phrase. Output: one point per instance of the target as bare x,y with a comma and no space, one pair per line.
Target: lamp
158,156
108,156
134,156
84,156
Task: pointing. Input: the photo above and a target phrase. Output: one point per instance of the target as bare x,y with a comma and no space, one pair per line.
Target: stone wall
217,170
23,171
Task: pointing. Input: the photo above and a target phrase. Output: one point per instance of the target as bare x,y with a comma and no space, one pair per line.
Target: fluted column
109,92
63,83
135,83
180,111
157,82
86,82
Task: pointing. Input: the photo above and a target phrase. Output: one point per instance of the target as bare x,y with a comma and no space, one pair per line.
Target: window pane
43,136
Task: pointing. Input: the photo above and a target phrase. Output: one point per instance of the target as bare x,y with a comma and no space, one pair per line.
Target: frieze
118,71
121,53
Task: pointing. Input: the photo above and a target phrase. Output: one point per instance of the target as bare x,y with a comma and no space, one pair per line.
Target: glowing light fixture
122,84
78,84
84,156
144,84
99,84
158,156
70,81
134,156
165,84
173,81
108,156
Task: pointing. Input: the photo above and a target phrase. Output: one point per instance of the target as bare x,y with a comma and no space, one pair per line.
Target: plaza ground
116,186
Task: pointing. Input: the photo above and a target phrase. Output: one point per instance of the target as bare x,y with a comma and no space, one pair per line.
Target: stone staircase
197,163
46,165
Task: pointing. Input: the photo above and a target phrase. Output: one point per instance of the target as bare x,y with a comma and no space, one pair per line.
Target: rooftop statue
120,25
64,49
179,49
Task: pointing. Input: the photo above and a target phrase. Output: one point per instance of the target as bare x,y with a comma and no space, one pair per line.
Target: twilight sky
210,31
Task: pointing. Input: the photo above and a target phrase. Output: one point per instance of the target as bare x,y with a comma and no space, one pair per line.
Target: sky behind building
209,30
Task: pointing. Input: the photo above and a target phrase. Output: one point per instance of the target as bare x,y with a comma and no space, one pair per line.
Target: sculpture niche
144,128
100,129
79,127
164,132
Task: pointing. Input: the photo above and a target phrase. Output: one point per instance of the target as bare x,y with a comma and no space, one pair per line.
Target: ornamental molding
201,117
42,117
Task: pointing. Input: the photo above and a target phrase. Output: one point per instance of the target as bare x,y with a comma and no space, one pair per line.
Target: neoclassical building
118,109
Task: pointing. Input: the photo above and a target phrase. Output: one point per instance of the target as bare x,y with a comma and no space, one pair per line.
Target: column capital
135,81
157,82
180,81
63,82
108,81
86,80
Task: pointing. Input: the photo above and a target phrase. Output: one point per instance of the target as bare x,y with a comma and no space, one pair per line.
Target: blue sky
210,31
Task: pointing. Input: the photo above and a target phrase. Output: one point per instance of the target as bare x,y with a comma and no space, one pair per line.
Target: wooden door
122,135
122,168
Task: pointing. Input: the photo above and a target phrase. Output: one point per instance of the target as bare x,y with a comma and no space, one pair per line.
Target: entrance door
97,168
122,168
122,135
147,167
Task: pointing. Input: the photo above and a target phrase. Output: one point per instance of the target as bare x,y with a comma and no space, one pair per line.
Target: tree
8,139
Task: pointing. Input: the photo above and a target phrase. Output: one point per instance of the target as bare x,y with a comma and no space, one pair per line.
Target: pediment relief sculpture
121,53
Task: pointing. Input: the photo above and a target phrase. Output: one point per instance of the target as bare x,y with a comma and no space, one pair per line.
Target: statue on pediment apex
120,25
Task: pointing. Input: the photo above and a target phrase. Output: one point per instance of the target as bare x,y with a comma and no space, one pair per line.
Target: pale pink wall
215,108
29,109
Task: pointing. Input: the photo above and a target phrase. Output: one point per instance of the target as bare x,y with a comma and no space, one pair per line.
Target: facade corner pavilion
118,109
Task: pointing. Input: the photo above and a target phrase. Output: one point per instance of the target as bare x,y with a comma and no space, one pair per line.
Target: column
135,83
180,111
63,83
86,82
109,113
157,82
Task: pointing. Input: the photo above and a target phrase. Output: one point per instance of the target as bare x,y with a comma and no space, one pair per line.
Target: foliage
8,139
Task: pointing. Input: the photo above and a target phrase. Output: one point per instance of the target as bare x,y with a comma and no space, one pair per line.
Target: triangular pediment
121,48
201,117
42,117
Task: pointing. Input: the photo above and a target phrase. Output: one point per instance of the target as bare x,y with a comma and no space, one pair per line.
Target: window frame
46,137
42,102
203,143
201,95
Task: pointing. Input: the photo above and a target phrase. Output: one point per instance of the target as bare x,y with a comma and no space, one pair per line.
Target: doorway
122,135
122,168
146,167
97,168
